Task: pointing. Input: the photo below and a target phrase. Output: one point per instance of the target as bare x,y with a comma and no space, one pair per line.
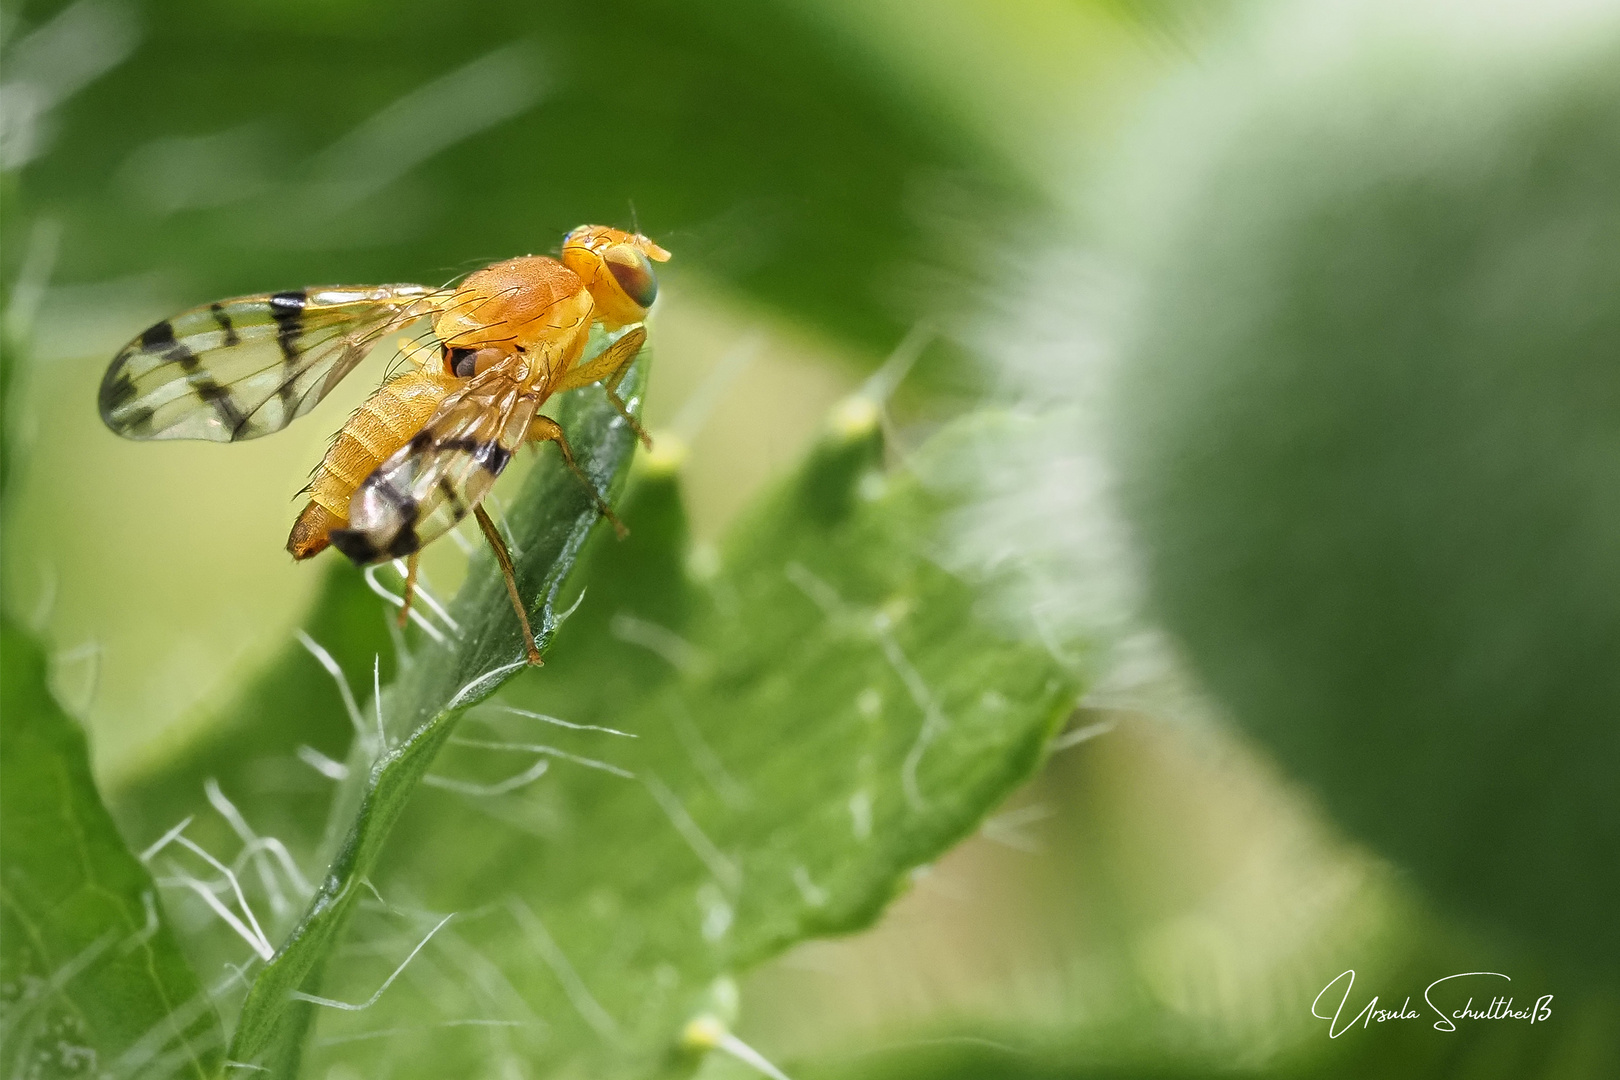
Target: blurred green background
1238,204
219,151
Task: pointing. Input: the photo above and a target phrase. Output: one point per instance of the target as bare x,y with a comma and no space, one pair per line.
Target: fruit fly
425,448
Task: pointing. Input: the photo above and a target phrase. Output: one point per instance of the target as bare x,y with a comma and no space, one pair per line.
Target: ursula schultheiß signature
1442,998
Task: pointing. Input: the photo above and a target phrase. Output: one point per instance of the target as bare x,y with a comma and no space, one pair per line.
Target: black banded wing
242,368
436,479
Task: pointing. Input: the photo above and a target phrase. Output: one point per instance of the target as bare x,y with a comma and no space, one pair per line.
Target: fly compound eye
634,273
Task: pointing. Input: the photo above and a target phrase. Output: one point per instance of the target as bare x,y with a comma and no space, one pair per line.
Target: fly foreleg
609,368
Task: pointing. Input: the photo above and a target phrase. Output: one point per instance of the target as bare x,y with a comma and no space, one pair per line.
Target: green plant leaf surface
815,713
256,763
251,750
92,981
549,521
1368,427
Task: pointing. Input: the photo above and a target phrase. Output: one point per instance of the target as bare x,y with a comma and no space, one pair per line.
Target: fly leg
410,588
545,429
609,368
502,556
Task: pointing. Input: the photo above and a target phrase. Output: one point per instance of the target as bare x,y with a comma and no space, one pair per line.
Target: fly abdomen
382,425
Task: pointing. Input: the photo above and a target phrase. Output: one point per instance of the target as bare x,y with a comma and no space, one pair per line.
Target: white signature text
1440,998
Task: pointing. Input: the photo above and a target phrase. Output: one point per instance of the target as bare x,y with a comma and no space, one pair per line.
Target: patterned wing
435,480
243,368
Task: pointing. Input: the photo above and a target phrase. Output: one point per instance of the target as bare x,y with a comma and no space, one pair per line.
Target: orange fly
425,448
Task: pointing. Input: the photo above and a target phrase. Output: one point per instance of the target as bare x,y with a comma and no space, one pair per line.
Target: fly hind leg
545,429
410,588
502,556
609,368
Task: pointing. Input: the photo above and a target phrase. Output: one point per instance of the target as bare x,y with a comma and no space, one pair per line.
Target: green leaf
1368,436
92,982
257,761
550,520
1078,964
813,718
251,748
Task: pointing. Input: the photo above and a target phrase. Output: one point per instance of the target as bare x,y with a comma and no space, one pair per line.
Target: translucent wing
243,368
435,480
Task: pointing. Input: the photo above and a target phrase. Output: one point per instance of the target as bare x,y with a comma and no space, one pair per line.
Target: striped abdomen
386,422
